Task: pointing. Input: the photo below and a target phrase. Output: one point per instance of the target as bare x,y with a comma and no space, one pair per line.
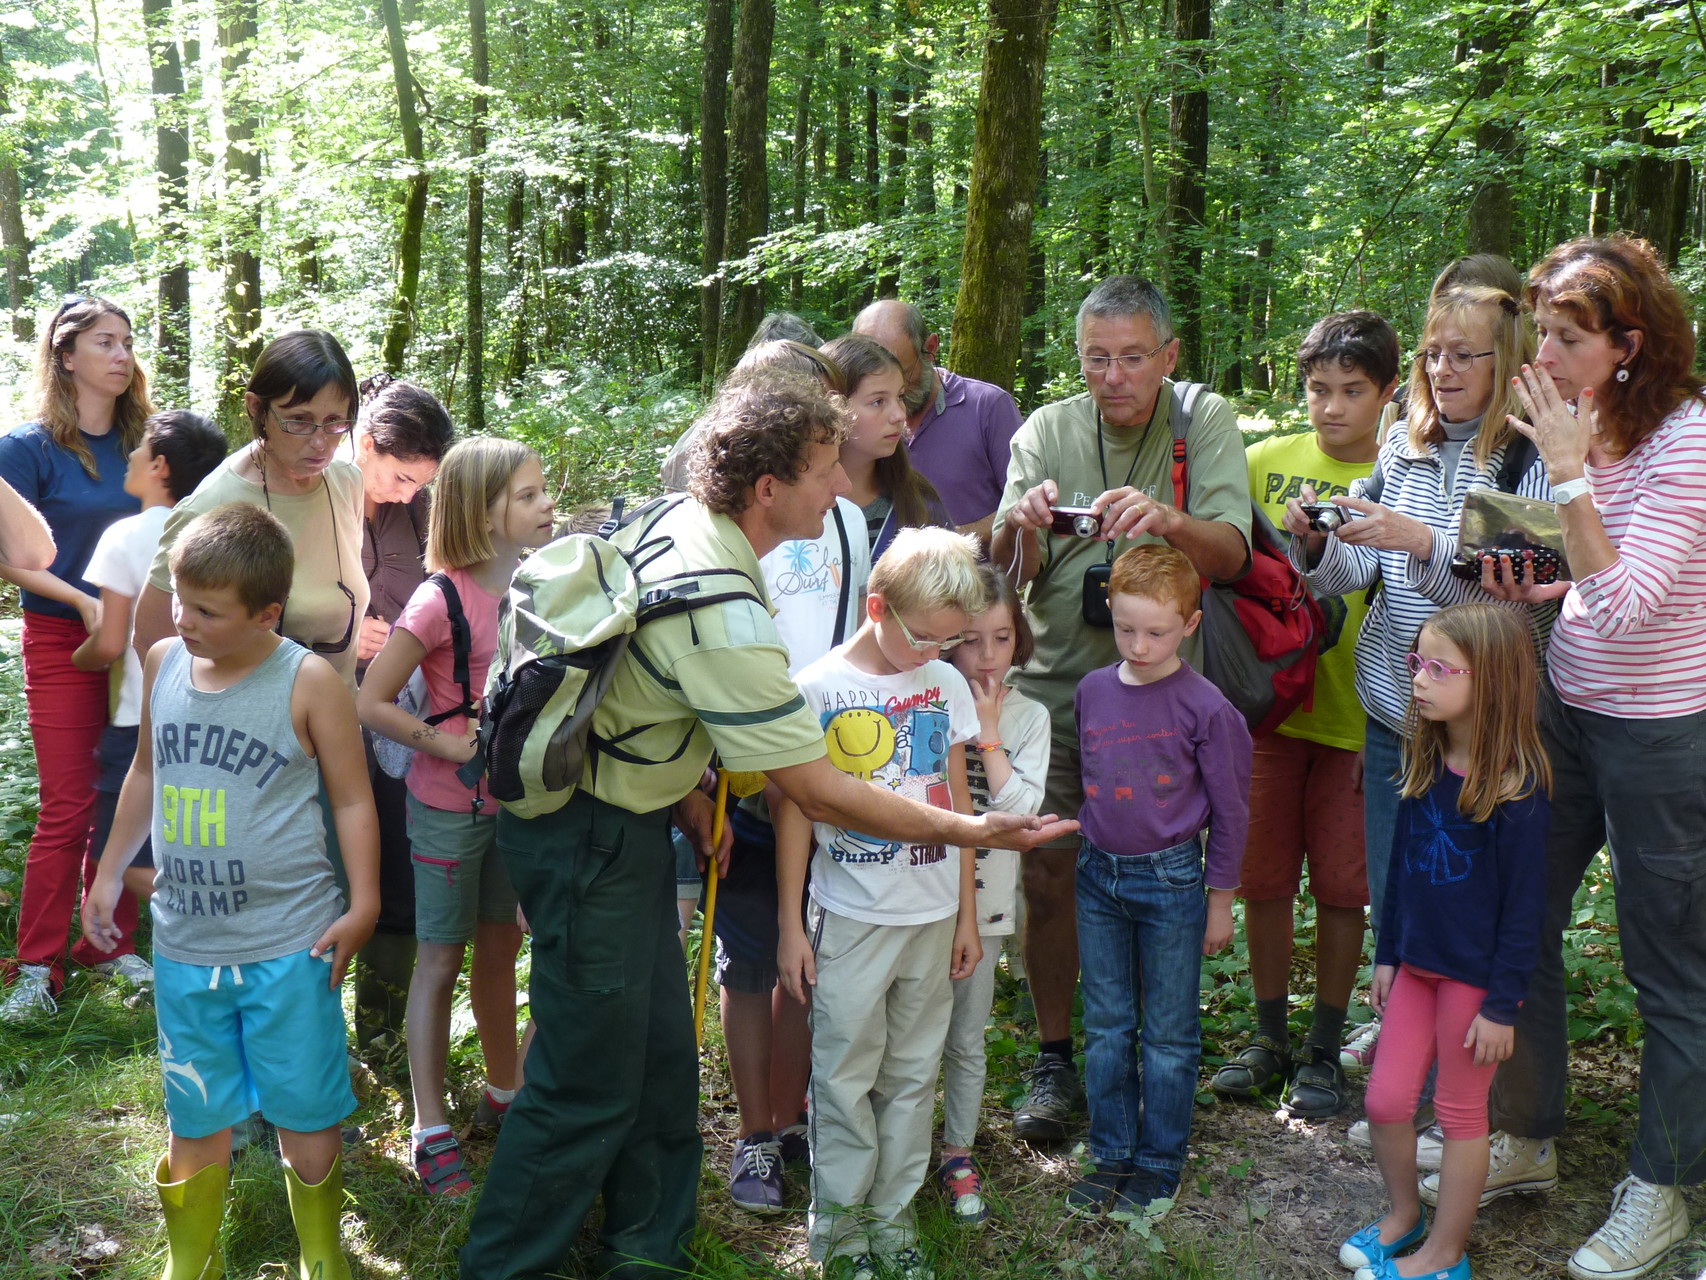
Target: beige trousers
879,1016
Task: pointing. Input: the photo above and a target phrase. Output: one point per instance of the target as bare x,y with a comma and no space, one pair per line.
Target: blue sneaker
1388,1270
1365,1250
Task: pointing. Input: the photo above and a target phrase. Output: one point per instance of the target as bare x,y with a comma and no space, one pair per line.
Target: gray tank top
239,845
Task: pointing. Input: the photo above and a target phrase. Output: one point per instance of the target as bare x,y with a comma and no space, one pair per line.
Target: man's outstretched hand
1022,831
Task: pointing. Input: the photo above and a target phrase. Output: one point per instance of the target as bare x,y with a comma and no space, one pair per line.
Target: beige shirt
325,526
1058,442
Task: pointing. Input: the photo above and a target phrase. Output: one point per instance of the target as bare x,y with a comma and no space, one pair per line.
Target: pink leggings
1427,1015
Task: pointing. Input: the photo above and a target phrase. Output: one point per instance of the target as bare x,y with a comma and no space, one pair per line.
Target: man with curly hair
611,1102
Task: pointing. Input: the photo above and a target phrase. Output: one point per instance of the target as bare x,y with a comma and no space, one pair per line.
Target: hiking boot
1317,1087
1515,1166
1358,1054
755,1173
130,968
1647,1221
31,995
795,1141
1096,1192
1054,1097
438,1163
1253,1068
1430,1143
962,1188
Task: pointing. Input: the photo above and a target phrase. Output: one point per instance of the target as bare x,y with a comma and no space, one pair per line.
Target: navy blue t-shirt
77,507
1464,899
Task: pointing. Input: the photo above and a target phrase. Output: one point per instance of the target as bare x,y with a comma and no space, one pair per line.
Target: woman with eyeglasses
301,401
69,462
1400,531
1620,423
400,438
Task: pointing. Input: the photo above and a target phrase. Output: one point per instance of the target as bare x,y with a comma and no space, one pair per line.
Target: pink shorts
1305,805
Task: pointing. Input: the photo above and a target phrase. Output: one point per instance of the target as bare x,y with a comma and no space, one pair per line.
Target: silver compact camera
1075,522
1324,517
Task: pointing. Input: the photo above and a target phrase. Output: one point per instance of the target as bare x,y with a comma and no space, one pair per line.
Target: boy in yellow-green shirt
1306,783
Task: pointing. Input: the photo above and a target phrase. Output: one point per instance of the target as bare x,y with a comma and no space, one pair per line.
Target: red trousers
68,709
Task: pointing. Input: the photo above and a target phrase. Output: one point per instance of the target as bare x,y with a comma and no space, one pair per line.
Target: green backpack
566,622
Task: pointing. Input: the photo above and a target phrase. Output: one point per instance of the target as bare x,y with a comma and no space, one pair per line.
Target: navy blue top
77,507
1464,899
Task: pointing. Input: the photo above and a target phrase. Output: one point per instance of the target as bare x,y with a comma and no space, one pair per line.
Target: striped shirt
1631,641
1411,591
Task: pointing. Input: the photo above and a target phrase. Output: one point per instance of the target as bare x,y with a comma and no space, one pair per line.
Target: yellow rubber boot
316,1210
194,1209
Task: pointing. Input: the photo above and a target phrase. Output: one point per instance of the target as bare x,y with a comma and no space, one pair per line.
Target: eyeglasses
302,427
1460,361
1128,364
1436,669
941,646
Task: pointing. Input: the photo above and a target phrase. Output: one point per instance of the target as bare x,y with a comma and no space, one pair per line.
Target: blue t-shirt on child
1464,899
76,506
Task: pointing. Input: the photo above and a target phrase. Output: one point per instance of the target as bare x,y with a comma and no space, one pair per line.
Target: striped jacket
1411,591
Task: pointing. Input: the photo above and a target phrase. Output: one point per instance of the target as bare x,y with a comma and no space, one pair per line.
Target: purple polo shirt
961,446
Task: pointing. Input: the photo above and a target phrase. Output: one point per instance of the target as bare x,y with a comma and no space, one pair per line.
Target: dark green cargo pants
610,1105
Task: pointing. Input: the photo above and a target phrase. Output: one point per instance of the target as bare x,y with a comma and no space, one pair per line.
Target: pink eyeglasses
1436,669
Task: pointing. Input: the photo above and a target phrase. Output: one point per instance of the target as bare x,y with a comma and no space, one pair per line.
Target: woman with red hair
1617,416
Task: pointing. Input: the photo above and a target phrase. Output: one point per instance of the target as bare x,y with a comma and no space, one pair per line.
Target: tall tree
480,58
401,323
1497,140
749,174
238,26
171,176
713,173
1187,195
14,239
1006,162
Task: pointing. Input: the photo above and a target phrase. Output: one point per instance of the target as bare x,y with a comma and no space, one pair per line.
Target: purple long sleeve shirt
1160,762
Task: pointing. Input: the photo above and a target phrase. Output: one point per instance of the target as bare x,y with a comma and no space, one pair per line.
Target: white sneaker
31,995
1515,1166
1429,1143
1647,1221
1358,1053
129,967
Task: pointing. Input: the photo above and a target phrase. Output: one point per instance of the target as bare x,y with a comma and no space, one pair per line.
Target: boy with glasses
891,923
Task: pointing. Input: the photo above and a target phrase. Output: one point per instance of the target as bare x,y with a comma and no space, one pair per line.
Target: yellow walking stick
742,784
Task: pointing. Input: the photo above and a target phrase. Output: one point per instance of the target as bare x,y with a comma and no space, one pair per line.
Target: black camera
1075,522
1324,517
1095,607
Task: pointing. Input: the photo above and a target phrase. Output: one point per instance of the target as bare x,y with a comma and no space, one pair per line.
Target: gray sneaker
31,995
129,967
1054,1097
755,1175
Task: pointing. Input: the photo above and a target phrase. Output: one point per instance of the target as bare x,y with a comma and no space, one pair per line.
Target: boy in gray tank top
240,727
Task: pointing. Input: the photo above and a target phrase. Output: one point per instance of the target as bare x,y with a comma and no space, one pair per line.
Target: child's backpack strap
461,648
1185,395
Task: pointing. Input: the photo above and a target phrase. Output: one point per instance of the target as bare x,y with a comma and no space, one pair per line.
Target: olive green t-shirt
713,677
1059,442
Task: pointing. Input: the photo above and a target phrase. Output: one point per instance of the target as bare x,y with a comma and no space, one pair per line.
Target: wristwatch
1570,490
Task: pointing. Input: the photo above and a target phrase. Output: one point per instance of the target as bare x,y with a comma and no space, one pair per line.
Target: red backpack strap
1184,406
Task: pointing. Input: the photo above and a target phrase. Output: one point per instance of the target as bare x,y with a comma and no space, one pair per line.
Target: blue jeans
1382,757
1140,932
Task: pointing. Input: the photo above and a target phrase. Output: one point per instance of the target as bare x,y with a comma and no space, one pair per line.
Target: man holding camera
1109,452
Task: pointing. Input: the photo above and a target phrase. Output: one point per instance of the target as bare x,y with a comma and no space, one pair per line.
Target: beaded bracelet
990,746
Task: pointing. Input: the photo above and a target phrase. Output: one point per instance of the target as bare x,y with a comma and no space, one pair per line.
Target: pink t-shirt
433,781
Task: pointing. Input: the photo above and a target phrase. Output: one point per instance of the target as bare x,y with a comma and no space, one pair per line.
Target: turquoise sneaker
1365,1250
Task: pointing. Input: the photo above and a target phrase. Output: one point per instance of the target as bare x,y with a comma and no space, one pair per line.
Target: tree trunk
1005,168
801,150
480,58
515,226
1033,369
1497,141
171,366
1095,262
894,177
713,174
401,324
924,194
14,239
1658,195
1187,198
749,174
242,174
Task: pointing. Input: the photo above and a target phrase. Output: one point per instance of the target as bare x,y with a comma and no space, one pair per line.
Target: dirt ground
1264,1198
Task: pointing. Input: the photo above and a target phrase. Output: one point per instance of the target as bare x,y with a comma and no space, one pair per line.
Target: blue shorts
745,925
236,1039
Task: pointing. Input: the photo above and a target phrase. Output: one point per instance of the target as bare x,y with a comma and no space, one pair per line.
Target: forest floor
1264,1198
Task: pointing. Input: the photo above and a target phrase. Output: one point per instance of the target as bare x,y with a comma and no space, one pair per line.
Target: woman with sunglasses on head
92,398
301,401
1400,527
1620,424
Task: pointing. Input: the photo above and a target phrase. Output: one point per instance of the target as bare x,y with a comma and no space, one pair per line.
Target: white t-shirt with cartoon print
894,730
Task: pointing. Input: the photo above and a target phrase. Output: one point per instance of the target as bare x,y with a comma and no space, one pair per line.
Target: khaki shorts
460,876
1305,806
